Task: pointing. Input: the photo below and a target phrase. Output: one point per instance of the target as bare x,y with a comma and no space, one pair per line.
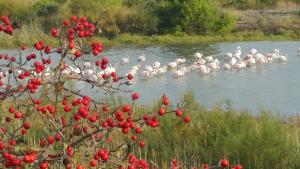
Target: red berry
126,108
77,53
54,32
104,60
178,112
138,130
26,125
129,76
224,163
93,163
142,144
238,166
135,96
187,119
81,34
66,23
51,139
162,111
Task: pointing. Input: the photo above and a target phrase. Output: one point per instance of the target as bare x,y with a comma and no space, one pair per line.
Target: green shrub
193,17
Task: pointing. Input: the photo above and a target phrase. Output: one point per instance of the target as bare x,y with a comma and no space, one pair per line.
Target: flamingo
228,55
198,55
172,65
213,66
156,65
201,61
180,61
204,69
209,58
240,65
250,61
162,70
145,74
125,60
283,58
233,61
252,51
141,58
148,68
87,65
178,73
227,66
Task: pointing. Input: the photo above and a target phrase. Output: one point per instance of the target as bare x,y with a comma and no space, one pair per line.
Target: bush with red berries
46,123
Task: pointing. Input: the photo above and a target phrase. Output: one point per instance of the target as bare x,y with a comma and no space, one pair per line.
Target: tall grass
265,141
27,35
262,142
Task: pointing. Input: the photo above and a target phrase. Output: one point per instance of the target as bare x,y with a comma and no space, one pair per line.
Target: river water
274,87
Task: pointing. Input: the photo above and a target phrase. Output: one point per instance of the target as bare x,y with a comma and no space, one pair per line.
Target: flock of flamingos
205,64
178,68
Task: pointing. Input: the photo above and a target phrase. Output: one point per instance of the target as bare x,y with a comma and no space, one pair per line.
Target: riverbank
263,141
190,39
29,35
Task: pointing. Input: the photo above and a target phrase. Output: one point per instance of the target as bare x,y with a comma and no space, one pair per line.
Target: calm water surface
274,87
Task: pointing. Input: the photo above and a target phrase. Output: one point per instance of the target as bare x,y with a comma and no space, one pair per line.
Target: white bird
237,53
240,65
213,66
145,74
217,62
3,75
252,51
136,67
233,61
148,68
180,61
193,67
276,51
178,73
156,65
260,58
110,69
87,64
248,56
209,58
198,55
67,70
48,74
141,58
133,72
76,71
227,66
162,70
185,69
228,55
283,58
172,64
125,60
250,61
204,69
201,61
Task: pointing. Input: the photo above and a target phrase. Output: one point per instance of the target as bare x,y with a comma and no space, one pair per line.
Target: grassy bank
262,142
30,34
188,39
265,141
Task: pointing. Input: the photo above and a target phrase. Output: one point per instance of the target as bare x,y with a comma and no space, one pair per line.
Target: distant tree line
146,17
